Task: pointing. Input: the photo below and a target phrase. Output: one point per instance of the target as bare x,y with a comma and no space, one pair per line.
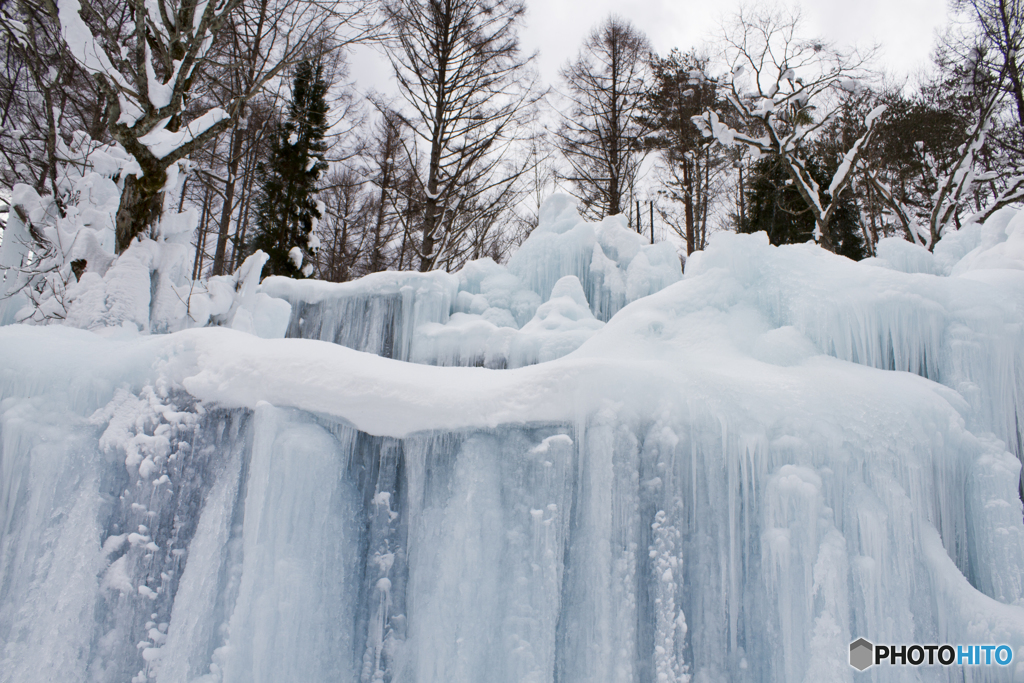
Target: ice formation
565,281
728,479
146,289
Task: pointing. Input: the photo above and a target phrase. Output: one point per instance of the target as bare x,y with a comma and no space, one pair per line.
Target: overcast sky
904,30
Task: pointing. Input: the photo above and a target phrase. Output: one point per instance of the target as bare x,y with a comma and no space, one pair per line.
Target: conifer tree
601,136
776,207
288,209
680,92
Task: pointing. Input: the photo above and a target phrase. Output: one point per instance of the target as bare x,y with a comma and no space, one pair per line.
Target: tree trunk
201,238
688,204
430,216
1010,59
427,255
652,220
248,179
826,236
142,202
376,257
229,199
743,204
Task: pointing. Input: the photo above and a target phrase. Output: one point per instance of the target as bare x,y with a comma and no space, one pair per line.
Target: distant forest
242,110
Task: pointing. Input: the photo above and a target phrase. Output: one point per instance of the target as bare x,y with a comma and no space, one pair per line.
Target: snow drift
730,478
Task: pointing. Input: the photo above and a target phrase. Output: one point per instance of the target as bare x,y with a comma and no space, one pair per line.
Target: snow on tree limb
953,187
1012,194
916,232
162,142
788,78
86,50
147,72
841,177
786,146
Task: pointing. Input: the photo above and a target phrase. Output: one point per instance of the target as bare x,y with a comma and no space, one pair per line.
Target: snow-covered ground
630,477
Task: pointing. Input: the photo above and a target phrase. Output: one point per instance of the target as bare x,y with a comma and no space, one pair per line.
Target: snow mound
78,280
997,244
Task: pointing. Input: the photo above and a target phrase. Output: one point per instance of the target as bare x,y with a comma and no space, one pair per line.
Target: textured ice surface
566,279
729,480
147,288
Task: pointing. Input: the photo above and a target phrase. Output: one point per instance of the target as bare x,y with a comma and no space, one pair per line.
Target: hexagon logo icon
861,654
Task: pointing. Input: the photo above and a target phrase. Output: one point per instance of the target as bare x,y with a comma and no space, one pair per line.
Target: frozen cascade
594,550
950,330
565,280
727,481
377,313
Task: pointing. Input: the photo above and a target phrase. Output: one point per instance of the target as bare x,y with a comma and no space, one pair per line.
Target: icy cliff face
730,479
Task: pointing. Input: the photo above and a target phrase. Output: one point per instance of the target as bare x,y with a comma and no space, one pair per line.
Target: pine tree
288,210
681,91
776,207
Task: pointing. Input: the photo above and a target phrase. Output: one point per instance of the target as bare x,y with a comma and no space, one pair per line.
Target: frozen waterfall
581,467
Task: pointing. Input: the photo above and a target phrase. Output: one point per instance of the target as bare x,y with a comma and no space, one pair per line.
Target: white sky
904,30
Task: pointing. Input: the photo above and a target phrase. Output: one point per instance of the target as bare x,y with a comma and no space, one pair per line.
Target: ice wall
953,317
154,539
729,480
566,279
377,314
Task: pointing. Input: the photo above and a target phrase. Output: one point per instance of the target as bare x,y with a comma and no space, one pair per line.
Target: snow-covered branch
913,230
777,85
953,187
1012,194
783,141
147,67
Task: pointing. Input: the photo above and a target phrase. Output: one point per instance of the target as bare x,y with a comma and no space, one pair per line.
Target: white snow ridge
581,467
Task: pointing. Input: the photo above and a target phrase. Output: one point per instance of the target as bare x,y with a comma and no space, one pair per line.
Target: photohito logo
863,654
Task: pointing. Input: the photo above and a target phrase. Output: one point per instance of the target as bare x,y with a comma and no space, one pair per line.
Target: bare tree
991,49
1000,24
953,187
793,84
367,205
223,182
601,133
44,96
389,164
344,230
148,57
459,68
942,139
248,37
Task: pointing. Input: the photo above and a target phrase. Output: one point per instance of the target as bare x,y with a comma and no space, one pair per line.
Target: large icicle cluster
567,278
730,479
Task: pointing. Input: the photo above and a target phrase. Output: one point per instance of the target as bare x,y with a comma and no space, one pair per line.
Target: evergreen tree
776,207
287,211
681,91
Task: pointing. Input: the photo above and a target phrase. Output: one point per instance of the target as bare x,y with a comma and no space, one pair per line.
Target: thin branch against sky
904,30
